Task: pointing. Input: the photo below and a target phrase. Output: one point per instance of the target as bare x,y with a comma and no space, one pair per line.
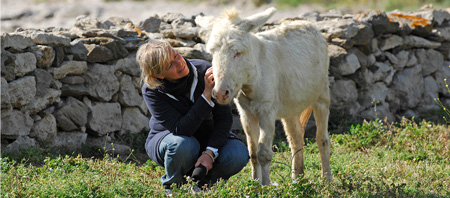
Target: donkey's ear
206,24
253,22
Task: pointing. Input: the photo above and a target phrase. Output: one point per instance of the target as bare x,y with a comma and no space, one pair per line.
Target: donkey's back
296,59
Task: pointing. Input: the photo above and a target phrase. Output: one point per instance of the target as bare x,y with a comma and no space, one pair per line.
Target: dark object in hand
199,173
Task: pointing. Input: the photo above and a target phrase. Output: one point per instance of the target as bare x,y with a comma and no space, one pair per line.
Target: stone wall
70,87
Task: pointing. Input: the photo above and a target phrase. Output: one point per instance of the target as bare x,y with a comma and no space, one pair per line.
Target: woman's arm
170,118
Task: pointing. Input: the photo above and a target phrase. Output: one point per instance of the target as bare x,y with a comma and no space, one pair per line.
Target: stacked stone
387,64
70,87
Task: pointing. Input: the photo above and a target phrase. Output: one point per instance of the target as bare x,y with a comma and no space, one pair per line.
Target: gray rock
151,24
6,102
118,150
99,141
310,16
105,118
419,42
343,92
7,60
154,35
336,54
41,38
170,17
179,42
72,116
117,49
331,14
128,95
43,101
79,51
380,111
408,86
444,49
187,33
70,68
45,56
133,121
198,52
373,45
440,76
374,94
349,65
73,80
84,22
364,35
59,56
182,23
381,72
436,16
432,91
15,124
101,82
45,129
98,54
343,28
391,42
409,114
70,140
74,90
400,60
443,32
117,22
128,66
22,91
393,100
430,60
21,143
16,41
380,22
43,81
24,63
412,60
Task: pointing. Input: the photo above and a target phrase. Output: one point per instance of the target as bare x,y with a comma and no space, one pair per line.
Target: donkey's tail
304,117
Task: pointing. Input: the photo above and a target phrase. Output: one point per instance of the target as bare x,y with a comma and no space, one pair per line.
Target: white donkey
281,73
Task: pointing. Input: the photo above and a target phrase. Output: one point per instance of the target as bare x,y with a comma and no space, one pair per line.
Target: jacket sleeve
223,120
169,118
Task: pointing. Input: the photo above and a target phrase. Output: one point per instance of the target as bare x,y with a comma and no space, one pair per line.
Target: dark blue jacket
180,116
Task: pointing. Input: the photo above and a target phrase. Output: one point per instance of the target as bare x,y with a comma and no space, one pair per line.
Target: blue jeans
180,154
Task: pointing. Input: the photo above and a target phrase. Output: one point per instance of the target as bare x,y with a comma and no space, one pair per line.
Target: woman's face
177,67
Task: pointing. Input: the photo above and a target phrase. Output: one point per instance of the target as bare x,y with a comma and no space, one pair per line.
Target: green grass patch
374,159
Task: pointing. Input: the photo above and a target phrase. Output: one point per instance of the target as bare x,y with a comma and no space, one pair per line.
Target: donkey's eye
237,54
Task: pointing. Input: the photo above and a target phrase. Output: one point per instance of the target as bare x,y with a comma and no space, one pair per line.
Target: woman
188,127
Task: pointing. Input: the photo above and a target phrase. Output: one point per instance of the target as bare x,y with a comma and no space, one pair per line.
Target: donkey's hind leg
294,135
321,113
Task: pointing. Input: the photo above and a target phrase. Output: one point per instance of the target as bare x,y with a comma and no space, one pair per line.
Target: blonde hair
153,57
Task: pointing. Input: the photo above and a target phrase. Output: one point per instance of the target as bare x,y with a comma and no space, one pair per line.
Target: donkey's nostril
227,92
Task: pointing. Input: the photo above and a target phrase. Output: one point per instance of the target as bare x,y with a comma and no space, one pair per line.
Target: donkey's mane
231,14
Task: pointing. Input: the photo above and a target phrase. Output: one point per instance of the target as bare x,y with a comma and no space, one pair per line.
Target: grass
374,159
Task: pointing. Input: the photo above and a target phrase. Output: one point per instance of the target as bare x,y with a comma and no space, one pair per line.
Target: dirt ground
62,13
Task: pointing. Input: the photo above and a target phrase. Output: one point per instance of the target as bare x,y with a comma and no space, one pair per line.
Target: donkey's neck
256,74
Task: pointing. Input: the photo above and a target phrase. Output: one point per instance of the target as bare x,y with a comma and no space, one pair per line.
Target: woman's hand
209,83
206,161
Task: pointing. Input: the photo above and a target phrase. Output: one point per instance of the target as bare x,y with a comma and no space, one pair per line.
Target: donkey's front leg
250,125
267,124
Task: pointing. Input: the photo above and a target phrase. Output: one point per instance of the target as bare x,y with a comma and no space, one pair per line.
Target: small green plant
446,110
